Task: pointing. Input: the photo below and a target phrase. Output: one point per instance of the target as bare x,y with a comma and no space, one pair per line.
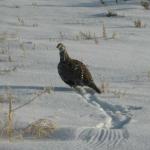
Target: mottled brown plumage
74,72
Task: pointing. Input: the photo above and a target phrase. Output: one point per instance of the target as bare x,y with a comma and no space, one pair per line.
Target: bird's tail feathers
93,86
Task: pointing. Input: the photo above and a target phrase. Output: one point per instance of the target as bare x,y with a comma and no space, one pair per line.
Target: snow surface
116,119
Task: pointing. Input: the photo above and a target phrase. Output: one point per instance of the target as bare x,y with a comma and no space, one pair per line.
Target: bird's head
61,47
63,53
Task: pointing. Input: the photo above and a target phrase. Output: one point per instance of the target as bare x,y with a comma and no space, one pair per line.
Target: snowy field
116,52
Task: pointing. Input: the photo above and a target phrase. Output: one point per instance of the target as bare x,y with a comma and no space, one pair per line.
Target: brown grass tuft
111,13
145,4
40,128
139,24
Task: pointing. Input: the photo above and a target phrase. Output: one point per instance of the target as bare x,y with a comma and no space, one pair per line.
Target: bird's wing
80,71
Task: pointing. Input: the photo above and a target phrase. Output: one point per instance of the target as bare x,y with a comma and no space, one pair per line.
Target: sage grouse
73,72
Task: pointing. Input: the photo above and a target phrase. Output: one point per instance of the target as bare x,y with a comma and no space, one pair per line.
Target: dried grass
139,24
111,13
104,34
145,4
41,128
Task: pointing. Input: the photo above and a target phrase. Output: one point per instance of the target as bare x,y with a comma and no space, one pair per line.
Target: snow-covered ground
120,62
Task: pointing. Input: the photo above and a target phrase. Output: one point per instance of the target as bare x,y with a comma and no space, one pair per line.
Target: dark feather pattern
74,72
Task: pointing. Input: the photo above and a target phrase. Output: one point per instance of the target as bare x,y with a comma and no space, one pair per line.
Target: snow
116,119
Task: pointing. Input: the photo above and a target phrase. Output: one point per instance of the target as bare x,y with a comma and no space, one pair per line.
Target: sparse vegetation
139,24
22,47
114,35
10,118
4,42
148,74
6,71
145,4
85,36
84,119
111,13
10,58
104,87
96,39
104,34
7,128
36,95
21,21
102,2
3,37
35,25
41,128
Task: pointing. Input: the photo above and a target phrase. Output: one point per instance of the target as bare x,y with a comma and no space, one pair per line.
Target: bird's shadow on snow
62,89
24,89
56,88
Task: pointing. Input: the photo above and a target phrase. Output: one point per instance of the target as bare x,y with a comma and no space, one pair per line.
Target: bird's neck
64,56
